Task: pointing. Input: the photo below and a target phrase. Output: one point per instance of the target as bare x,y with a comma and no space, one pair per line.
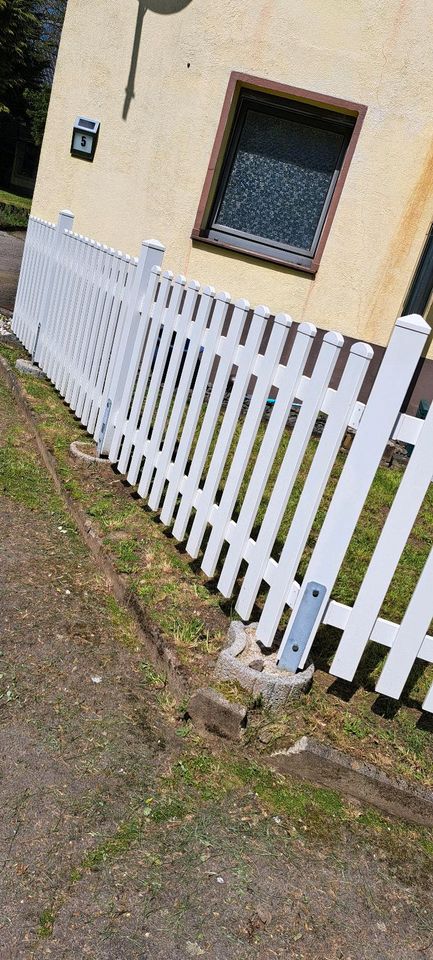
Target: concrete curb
327,767
29,368
9,338
275,687
212,712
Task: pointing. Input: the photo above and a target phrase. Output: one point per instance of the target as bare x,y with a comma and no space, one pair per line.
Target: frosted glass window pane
280,179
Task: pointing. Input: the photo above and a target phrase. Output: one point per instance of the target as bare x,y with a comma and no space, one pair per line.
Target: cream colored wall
148,172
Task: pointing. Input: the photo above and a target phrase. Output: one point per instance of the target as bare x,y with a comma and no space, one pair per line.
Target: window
272,185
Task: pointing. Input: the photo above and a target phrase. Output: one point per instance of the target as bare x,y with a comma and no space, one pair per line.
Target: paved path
11,251
123,836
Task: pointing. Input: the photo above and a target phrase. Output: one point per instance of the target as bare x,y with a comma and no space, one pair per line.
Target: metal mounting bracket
292,651
104,426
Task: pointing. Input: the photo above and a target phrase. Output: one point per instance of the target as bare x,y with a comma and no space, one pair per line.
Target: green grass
46,923
14,211
15,200
201,782
126,834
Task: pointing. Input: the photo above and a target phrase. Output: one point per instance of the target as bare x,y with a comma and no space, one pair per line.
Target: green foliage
22,59
14,200
37,108
29,38
13,217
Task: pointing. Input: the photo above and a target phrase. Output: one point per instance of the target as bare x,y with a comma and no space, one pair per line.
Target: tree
29,39
22,56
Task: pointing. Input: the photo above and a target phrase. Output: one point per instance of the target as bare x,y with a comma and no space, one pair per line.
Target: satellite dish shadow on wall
164,7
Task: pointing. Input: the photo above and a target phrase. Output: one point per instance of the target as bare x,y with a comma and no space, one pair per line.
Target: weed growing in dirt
46,923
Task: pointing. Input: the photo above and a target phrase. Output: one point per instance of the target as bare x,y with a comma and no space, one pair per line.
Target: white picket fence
157,370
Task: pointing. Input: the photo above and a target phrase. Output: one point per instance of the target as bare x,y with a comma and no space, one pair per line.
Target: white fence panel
145,347
140,428
227,350
150,452
177,468
189,362
391,543
403,352
339,416
158,371
245,359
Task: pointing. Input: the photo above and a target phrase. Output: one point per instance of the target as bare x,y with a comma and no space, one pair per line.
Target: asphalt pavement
11,252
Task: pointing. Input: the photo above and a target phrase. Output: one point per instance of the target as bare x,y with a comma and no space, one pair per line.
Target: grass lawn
14,210
15,200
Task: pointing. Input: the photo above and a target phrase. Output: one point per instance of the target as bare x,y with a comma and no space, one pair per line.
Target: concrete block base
246,663
86,450
327,767
213,713
6,336
26,366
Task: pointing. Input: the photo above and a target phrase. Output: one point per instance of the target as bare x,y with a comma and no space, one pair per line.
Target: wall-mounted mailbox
84,138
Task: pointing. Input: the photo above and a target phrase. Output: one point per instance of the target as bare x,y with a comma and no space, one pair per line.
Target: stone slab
212,712
26,366
328,767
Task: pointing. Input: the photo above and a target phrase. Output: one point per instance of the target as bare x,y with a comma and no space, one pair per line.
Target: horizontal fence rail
191,396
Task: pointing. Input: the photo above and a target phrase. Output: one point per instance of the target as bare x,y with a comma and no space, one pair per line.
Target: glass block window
277,177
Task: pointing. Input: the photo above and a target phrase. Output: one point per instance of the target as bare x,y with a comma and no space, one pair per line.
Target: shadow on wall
157,6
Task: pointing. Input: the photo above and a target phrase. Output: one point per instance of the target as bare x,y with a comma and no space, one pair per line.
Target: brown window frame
270,95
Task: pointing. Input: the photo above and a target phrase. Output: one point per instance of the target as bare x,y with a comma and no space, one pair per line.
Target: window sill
311,270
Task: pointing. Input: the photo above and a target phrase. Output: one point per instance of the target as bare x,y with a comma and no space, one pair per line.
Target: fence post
151,255
65,221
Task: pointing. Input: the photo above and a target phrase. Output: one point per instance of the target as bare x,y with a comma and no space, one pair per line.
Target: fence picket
410,636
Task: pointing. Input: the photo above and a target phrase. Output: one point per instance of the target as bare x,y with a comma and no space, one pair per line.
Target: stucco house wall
149,168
